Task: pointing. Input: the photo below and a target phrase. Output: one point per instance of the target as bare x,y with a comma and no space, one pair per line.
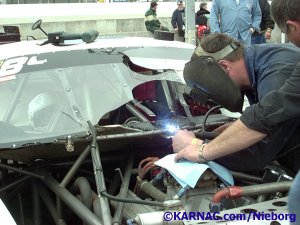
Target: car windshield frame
81,91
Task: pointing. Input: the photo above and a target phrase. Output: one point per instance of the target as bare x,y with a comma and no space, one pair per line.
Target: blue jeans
245,42
258,39
294,199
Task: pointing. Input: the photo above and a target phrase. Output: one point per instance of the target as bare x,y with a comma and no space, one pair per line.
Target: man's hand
268,35
191,153
182,139
176,29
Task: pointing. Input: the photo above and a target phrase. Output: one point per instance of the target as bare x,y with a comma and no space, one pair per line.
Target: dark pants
256,157
258,39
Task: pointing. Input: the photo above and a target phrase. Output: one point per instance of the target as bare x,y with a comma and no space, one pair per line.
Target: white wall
107,18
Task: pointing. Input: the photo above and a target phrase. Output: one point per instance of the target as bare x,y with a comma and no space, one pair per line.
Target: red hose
230,192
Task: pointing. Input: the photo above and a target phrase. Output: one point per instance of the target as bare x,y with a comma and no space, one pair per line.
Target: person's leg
177,37
245,40
263,38
294,200
258,39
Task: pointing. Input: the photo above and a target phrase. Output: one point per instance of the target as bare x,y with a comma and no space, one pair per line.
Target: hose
152,191
237,192
208,135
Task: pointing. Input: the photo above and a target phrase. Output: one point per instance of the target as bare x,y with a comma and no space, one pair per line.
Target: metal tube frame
48,201
13,184
36,204
68,177
123,192
99,177
21,211
15,101
71,201
34,175
136,113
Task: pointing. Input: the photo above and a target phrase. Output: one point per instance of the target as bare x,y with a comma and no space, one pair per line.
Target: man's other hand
268,35
191,153
182,139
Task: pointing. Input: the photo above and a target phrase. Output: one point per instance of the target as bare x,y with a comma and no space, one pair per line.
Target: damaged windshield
56,102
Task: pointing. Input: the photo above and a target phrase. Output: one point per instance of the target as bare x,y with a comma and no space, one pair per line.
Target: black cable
204,134
207,114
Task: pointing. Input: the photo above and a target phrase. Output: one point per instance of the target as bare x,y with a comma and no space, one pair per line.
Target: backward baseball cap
153,3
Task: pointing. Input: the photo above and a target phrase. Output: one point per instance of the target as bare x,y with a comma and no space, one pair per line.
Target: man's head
203,5
286,14
228,52
180,5
153,4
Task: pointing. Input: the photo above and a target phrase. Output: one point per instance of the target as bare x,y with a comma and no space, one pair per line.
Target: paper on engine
188,173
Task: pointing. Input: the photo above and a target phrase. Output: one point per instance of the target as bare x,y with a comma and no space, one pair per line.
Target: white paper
188,173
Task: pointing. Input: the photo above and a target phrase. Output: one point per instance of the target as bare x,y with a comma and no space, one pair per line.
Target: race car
86,119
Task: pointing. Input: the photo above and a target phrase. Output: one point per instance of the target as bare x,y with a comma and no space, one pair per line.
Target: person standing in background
236,18
177,22
266,24
201,19
152,23
203,9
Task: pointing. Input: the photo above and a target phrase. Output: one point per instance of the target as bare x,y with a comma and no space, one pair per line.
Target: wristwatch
252,30
269,30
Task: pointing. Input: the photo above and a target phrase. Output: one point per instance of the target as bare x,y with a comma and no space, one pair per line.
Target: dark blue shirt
269,66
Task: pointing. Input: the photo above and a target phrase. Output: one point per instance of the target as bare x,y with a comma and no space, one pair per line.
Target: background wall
110,19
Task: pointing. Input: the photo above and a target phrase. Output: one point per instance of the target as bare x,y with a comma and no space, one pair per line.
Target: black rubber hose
204,134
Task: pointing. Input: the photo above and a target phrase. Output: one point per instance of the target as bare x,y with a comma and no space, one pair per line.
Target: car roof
33,47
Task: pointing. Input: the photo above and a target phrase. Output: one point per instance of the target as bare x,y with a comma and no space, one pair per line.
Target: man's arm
233,139
256,122
174,20
256,15
266,16
267,24
214,17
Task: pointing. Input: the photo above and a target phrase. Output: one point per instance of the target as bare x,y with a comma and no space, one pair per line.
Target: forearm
214,19
235,138
256,16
